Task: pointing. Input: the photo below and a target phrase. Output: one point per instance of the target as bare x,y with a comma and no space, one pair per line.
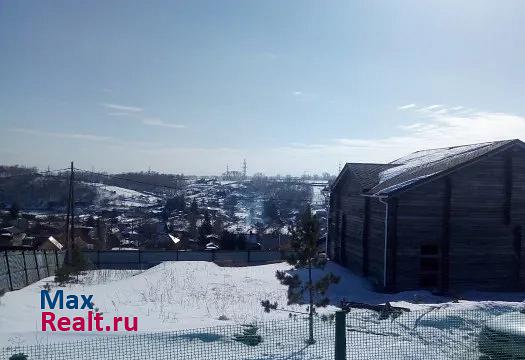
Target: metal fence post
8,271
340,335
25,267
36,264
47,263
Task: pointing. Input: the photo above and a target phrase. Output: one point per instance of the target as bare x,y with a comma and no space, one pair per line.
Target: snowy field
122,197
188,295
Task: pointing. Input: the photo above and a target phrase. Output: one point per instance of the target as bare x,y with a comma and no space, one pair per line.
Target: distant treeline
29,189
152,182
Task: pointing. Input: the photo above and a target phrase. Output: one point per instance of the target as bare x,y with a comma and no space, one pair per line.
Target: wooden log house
444,219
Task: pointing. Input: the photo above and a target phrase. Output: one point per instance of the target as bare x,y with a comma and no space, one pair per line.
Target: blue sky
292,86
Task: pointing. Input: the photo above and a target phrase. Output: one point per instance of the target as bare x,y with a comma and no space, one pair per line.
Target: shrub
19,356
69,272
64,274
249,336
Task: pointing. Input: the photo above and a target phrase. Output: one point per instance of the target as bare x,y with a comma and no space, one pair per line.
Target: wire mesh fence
268,340
436,334
19,268
431,334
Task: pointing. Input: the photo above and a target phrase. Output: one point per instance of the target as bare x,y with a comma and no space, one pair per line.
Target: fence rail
19,268
420,335
144,259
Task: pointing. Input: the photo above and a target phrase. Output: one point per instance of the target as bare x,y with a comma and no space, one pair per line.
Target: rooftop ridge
485,143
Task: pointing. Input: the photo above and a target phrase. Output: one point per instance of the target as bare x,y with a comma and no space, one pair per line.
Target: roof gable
365,173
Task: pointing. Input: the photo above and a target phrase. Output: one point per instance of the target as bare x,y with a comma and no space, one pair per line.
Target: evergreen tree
192,219
14,211
240,242
229,204
305,258
227,240
270,212
206,228
218,225
194,208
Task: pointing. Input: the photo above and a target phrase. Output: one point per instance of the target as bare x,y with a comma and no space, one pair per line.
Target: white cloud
432,130
118,113
123,108
137,114
428,130
158,122
107,140
430,108
76,136
406,107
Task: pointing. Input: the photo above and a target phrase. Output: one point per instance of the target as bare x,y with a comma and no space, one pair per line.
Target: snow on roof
174,239
424,164
424,157
55,242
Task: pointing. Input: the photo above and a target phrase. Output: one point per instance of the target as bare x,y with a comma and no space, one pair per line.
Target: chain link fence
268,340
436,334
431,334
19,268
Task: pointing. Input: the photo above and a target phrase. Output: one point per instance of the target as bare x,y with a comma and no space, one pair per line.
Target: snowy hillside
183,295
122,197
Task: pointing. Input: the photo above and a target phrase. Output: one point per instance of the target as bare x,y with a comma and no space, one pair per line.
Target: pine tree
206,228
270,212
14,211
192,219
304,235
218,225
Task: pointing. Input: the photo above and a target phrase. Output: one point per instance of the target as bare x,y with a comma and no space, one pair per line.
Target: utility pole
244,168
72,206
70,218
68,247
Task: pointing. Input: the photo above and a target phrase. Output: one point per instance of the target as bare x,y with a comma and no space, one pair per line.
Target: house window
429,265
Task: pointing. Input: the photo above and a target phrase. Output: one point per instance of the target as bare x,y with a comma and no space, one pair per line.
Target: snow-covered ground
189,295
122,197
